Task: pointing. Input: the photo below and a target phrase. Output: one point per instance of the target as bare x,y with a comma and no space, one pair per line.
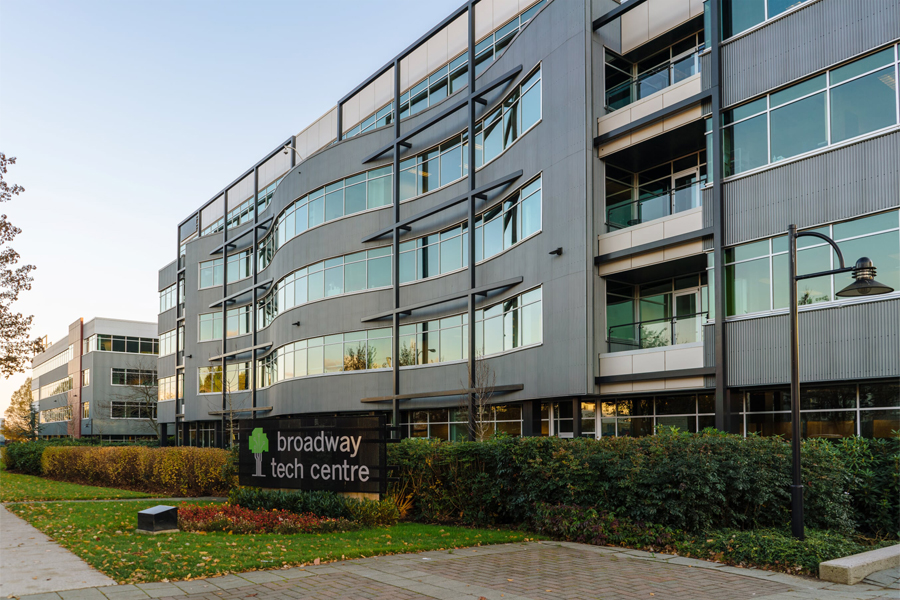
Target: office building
99,382
629,172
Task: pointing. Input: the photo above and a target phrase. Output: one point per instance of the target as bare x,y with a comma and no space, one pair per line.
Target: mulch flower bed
237,519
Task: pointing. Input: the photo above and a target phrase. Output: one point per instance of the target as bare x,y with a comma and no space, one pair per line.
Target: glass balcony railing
628,214
652,81
658,333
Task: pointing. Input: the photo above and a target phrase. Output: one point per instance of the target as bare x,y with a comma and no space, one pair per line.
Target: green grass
19,488
102,533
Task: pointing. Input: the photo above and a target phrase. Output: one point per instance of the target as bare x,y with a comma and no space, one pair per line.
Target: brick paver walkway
527,571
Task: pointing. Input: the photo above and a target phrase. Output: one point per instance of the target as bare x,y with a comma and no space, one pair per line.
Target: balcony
652,81
684,328
653,206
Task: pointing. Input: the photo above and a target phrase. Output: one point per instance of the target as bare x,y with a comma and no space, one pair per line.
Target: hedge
688,482
774,549
25,457
182,471
369,513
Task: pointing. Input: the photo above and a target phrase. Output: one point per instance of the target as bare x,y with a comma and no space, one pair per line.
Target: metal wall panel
857,341
706,200
709,345
850,181
817,36
706,71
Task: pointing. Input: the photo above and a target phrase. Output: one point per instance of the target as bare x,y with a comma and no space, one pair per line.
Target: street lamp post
864,285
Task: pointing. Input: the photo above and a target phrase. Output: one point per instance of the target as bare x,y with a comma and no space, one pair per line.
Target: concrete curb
853,569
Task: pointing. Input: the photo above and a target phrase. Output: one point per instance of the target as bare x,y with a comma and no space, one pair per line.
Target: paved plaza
526,571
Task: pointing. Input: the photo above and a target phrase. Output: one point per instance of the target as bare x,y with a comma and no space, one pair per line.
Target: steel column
471,218
723,404
395,253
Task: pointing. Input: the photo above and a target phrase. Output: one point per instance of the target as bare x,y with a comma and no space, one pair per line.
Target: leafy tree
15,345
20,422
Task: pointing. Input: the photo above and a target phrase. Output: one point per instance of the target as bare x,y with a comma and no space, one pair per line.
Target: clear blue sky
126,115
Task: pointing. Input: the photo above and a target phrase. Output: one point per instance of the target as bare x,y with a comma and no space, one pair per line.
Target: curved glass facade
497,229
420,174
508,325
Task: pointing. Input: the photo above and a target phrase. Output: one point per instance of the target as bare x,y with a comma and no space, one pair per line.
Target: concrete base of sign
146,532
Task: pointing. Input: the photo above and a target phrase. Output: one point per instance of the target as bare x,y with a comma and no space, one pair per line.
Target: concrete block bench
853,569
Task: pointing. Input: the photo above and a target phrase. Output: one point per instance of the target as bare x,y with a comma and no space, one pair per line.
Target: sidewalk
31,563
526,571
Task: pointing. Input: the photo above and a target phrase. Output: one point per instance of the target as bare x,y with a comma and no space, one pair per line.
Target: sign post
339,454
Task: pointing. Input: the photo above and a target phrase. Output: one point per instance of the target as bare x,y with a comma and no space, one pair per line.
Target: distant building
602,221
99,381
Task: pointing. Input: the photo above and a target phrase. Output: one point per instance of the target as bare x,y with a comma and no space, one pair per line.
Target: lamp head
865,284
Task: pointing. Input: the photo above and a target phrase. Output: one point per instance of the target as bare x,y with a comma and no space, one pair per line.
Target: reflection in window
166,388
740,15
55,415
870,410
419,174
453,424
508,223
756,274
861,98
447,79
512,323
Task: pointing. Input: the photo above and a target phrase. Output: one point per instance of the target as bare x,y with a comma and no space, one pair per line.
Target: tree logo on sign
259,443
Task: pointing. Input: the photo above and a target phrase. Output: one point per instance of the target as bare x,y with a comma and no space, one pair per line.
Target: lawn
102,533
18,488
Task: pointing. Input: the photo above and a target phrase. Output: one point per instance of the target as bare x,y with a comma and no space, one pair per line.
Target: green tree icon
259,443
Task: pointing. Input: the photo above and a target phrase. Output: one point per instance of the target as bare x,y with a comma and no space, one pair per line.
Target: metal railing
628,214
652,81
656,333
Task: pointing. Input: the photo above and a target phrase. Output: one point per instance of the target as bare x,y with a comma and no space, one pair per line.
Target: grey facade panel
709,210
709,346
705,72
167,275
166,321
165,412
853,180
851,342
815,37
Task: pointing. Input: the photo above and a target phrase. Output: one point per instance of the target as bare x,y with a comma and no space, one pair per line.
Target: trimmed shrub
588,526
236,519
873,467
25,457
368,513
183,471
772,549
690,482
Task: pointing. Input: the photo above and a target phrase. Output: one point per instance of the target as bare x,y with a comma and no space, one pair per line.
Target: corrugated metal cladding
706,107
844,183
705,73
857,341
706,198
709,345
815,37
709,243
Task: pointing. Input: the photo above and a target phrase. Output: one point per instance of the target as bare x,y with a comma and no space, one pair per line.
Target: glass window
799,127
747,287
745,145
863,105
